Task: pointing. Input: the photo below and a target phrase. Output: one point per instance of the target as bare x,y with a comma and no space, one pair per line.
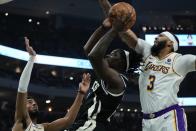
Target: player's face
114,58
161,41
32,105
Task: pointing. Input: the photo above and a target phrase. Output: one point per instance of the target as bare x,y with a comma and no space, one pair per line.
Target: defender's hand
29,49
84,85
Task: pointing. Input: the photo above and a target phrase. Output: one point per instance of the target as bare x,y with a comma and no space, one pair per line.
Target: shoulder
176,54
186,57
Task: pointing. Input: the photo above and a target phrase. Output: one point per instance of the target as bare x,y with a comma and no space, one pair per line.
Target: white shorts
174,120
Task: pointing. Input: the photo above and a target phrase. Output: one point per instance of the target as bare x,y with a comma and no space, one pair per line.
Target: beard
34,114
156,48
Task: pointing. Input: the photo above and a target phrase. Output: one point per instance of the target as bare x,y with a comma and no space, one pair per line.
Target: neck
163,53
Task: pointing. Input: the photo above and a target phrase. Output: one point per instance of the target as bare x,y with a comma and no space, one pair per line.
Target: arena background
61,28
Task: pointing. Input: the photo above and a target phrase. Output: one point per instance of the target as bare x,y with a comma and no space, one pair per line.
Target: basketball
123,9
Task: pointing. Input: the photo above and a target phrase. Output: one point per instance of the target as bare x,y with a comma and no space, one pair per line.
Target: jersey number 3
151,84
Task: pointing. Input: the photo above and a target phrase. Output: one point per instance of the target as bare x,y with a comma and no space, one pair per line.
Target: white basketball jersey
159,83
35,127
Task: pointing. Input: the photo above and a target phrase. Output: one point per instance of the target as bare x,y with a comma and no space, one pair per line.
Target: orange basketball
123,8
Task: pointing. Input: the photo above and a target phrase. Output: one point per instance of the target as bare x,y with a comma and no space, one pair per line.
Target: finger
26,39
27,42
88,74
84,75
88,77
89,80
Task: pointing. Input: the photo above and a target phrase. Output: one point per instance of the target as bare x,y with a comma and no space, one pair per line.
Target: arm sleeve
143,48
25,77
184,64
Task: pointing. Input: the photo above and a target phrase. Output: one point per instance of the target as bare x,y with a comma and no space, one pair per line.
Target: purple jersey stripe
180,119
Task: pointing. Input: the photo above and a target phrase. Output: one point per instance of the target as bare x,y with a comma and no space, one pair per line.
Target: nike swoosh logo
166,117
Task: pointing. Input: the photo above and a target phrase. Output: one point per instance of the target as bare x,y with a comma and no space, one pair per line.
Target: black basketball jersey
98,107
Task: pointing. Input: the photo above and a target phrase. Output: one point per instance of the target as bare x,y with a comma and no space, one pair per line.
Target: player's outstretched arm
184,64
21,113
100,31
73,111
105,5
129,38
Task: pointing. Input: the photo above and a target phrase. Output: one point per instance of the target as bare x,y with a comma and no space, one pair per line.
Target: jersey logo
95,86
168,61
166,117
161,68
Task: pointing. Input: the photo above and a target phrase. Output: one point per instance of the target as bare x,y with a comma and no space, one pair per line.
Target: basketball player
159,81
27,109
106,92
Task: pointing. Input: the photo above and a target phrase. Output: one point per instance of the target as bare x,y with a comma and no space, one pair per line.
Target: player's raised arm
98,33
21,113
61,123
105,5
129,37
